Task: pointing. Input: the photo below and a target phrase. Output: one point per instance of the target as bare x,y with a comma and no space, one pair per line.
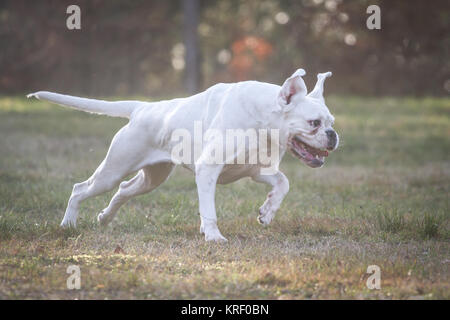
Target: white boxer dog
302,122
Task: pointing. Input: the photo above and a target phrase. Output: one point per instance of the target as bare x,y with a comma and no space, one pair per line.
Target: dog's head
310,123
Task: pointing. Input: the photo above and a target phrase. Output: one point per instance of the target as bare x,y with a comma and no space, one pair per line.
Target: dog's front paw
103,219
202,228
214,235
68,223
265,215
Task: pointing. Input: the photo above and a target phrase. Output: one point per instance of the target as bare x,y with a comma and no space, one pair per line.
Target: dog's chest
231,173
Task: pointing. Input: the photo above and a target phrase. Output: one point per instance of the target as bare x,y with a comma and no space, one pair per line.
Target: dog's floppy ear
292,86
317,93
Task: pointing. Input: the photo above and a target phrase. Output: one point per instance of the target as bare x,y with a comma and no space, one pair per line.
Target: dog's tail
122,109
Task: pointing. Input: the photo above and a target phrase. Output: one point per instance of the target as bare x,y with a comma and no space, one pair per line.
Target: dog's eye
314,123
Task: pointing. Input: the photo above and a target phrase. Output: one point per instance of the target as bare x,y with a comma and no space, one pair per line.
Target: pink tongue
314,151
321,153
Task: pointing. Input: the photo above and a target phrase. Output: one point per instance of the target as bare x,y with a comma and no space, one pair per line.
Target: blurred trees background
138,47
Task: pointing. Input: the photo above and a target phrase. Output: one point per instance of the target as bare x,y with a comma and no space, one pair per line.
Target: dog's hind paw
220,239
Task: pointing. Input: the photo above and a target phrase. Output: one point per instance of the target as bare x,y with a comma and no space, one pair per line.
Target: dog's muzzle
313,157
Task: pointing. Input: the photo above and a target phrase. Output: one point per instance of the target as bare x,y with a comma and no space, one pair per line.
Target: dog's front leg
280,187
206,176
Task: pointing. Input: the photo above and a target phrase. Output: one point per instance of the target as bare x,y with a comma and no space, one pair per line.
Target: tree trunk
192,75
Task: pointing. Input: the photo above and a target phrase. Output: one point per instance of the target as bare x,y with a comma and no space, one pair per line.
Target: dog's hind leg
280,187
98,183
147,179
124,156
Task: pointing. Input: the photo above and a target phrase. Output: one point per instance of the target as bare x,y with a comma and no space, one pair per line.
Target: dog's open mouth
313,157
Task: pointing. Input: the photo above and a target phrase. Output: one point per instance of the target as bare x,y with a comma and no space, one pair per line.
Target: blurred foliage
136,47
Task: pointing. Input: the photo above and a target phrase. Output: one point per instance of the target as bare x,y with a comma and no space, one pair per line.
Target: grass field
381,199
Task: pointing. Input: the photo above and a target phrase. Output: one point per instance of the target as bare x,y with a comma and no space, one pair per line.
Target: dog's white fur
145,145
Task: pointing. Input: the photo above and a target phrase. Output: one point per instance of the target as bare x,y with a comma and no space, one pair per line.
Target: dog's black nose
332,139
